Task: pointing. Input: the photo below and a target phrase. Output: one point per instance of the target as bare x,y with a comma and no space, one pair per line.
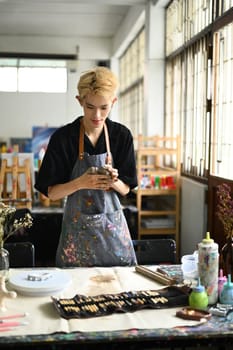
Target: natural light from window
46,76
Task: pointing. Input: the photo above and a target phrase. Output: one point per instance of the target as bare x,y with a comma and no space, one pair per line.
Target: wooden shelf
158,170
153,192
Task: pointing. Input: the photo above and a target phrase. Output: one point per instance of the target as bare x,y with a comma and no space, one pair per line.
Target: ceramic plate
40,282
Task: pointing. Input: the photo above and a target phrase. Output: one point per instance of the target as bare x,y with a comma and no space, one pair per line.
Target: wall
88,48
154,70
193,214
20,111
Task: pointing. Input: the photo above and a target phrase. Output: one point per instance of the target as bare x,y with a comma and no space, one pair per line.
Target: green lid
207,239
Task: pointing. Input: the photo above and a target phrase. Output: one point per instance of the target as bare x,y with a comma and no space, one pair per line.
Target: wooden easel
17,197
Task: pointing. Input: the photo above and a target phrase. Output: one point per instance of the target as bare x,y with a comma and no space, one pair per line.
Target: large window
186,105
199,91
32,75
132,84
222,103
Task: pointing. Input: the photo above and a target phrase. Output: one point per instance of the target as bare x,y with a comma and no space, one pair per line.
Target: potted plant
224,212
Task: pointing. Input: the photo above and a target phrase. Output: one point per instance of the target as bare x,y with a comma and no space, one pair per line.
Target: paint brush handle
12,324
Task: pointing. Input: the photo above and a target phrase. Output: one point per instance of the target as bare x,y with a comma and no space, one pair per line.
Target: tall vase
4,254
227,257
4,263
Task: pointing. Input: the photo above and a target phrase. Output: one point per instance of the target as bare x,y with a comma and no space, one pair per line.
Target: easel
18,198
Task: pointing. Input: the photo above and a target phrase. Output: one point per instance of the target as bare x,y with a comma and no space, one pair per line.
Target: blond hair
99,81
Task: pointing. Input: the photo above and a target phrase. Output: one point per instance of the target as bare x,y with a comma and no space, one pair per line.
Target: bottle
221,280
198,298
226,296
208,266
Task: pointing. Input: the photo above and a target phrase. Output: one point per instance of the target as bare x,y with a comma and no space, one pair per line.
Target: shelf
155,192
158,231
157,212
158,170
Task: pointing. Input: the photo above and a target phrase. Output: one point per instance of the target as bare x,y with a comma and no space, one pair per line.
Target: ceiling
67,18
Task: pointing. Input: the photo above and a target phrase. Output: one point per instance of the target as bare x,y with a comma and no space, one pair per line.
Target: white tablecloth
43,318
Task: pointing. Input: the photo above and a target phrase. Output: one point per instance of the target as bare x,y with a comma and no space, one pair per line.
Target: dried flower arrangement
225,208
9,225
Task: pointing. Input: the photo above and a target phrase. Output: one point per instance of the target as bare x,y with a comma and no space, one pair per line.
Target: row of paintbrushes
11,322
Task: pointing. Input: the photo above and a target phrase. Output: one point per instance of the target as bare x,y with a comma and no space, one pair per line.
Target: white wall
154,70
89,48
20,111
193,214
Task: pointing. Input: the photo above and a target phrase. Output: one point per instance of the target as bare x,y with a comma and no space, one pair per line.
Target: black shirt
63,148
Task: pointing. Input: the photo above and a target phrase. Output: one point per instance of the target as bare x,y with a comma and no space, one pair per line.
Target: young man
91,161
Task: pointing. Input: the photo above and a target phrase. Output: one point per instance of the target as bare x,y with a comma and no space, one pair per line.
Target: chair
21,254
155,251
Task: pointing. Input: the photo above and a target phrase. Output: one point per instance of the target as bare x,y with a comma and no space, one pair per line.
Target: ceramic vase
4,263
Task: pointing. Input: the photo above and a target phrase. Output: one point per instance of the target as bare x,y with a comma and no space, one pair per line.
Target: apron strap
109,156
81,143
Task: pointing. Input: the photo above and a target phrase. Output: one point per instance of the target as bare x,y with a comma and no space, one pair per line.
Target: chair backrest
21,254
155,251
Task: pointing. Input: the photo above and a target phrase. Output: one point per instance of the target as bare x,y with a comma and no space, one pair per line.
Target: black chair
155,251
21,254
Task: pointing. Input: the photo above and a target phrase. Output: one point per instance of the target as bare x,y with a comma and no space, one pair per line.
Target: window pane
222,105
8,62
186,106
131,84
8,79
41,63
42,79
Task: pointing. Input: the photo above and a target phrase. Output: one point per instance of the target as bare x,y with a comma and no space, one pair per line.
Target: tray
189,313
55,282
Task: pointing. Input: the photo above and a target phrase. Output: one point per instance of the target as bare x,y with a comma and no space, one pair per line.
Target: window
199,88
32,75
132,85
186,105
222,104
8,79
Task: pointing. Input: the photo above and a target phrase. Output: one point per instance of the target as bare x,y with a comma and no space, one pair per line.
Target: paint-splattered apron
94,229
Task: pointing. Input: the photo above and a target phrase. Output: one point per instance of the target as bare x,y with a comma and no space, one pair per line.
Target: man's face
96,109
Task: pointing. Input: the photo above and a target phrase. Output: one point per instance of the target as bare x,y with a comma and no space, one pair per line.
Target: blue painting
40,139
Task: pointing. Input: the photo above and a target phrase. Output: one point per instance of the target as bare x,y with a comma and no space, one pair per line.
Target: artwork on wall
24,144
40,140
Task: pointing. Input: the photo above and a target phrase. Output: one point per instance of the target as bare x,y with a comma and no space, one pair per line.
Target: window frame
41,68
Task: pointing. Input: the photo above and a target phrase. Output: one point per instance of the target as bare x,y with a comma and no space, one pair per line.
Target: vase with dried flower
9,226
225,215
